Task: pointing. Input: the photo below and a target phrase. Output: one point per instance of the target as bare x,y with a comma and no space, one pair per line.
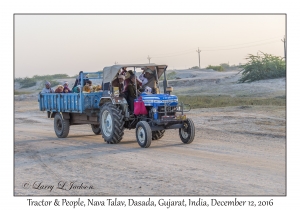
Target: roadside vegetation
264,66
21,92
30,82
223,101
216,68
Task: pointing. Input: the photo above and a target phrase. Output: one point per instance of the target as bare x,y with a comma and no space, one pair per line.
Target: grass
223,101
20,92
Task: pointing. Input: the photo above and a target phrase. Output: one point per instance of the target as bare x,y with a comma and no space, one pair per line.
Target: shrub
27,82
265,66
51,77
225,65
195,67
216,68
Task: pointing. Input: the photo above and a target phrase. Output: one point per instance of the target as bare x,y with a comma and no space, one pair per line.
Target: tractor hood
159,99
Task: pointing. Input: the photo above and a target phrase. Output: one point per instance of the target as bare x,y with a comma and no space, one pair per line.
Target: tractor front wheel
187,133
143,134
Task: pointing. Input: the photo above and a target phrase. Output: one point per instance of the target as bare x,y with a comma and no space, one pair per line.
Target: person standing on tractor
119,82
133,90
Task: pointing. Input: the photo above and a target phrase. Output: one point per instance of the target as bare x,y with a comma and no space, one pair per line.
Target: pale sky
67,44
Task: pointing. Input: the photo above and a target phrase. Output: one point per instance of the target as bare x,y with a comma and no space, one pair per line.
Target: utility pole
198,51
116,62
148,58
284,42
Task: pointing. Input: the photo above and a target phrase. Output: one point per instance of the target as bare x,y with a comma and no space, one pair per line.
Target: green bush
51,77
30,82
195,67
225,65
265,66
216,68
27,82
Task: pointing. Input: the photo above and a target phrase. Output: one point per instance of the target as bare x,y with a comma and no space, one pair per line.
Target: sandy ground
236,151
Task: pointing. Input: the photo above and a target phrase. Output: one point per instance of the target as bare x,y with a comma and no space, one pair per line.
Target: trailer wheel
112,123
143,134
61,126
96,129
187,133
157,134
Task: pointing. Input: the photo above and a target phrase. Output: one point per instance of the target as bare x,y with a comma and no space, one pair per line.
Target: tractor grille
167,109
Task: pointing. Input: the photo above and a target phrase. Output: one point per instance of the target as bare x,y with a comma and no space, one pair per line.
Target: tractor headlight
169,89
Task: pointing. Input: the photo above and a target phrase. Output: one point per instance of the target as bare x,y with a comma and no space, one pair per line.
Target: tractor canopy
110,72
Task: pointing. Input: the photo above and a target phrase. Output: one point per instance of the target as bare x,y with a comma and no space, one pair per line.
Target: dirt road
236,151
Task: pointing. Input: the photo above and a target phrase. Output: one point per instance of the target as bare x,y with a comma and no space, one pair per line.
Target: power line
215,50
243,43
175,55
192,51
242,47
189,52
182,51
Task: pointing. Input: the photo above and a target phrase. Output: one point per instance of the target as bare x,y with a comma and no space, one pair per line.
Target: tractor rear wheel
112,123
61,126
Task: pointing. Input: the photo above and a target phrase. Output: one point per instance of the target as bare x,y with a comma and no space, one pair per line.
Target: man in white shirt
47,88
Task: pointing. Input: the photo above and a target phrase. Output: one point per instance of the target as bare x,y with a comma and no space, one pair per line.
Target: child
59,89
66,88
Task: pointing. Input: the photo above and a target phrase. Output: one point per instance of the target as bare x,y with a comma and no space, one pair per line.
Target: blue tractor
109,113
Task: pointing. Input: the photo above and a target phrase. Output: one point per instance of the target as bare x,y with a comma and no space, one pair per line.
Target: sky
67,44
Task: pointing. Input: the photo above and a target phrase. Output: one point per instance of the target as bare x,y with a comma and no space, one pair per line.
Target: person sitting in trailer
47,88
66,88
77,81
87,88
59,89
76,89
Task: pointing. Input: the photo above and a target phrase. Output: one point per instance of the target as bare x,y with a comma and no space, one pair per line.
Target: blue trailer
73,108
108,112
